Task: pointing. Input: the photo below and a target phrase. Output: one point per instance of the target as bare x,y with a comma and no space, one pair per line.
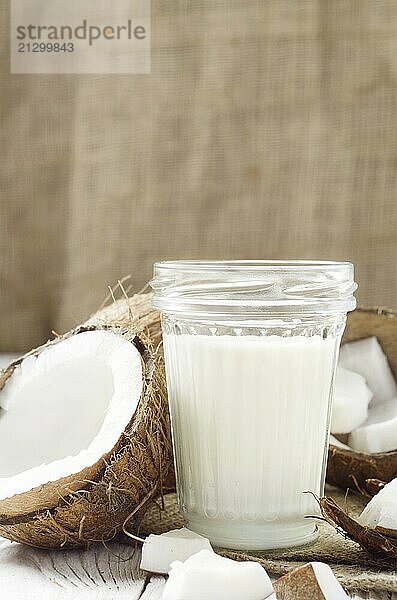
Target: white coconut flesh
351,399
365,399
379,432
329,585
367,358
62,410
335,442
314,579
159,551
381,511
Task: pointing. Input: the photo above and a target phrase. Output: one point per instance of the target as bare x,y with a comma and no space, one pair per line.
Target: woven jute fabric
267,129
357,571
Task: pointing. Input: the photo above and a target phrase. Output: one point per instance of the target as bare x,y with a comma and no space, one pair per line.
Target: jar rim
232,286
244,265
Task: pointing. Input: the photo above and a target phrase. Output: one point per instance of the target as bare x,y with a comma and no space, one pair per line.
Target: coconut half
64,408
84,430
348,468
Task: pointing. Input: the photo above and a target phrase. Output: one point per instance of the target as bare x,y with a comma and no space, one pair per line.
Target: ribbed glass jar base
254,536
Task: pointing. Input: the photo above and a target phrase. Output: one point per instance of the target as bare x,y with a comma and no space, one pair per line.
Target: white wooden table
99,573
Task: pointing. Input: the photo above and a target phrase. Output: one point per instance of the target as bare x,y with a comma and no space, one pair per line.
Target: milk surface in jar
249,397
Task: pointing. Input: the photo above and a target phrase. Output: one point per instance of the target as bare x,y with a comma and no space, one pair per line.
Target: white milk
250,422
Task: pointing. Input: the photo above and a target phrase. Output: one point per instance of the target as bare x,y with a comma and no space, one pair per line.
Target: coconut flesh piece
367,358
351,399
314,580
335,442
381,511
159,551
210,576
379,432
65,408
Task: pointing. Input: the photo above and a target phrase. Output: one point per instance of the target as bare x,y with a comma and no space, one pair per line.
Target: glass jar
250,350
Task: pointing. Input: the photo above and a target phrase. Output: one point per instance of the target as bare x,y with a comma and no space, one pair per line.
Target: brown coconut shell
373,486
94,504
347,468
299,584
378,541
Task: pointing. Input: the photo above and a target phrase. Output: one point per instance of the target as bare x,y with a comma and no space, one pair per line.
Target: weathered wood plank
154,589
33,574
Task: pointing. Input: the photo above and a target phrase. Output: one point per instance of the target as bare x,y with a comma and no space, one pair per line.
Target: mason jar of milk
250,351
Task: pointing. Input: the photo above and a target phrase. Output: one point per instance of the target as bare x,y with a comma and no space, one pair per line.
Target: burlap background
268,128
